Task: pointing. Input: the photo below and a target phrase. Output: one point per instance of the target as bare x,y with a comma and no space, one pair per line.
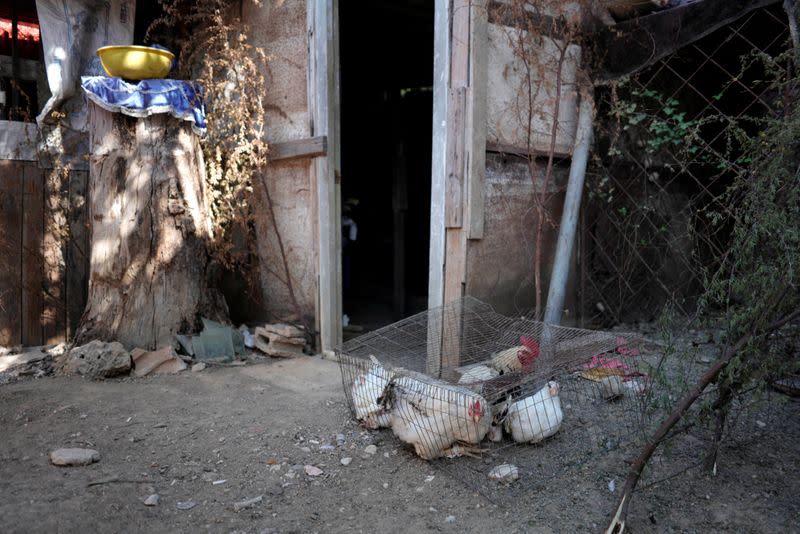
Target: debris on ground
74,457
163,361
31,361
313,471
185,505
196,368
345,461
152,500
96,359
247,503
217,342
504,473
280,340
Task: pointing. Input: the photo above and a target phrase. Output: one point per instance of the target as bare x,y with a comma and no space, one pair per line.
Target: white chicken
474,377
366,390
438,419
536,417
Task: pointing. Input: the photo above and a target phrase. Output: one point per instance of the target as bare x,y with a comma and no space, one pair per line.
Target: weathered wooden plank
299,148
10,252
500,148
77,284
633,45
53,253
32,264
456,237
476,126
454,192
322,104
441,68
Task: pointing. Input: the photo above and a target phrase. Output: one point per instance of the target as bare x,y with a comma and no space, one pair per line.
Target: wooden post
149,266
323,107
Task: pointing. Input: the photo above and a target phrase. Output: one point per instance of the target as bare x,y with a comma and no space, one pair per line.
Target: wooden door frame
324,104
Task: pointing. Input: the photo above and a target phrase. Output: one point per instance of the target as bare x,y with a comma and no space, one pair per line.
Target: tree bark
150,271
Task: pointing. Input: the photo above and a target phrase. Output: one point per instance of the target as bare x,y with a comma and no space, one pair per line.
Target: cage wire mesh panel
656,218
467,384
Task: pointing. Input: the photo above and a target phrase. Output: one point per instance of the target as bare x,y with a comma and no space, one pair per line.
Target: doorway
386,78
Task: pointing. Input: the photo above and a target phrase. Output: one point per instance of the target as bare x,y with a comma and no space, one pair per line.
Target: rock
160,362
241,505
185,505
504,473
327,448
371,449
152,500
72,457
284,331
313,471
450,519
97,359
345,461
196,368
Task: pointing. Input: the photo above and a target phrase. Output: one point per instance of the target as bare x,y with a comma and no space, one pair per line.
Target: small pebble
71,457
152,500
313,471
371,449
450,519
327,448
346,461
185,505
385,485
305,449
196,368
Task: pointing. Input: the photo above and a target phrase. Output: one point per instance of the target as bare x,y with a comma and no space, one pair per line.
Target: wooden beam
10,249
477,124
500,148
633,45
441,78
32,257
300,148
454,189
322,84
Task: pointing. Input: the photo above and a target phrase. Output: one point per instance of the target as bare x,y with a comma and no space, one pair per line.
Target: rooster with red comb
519,358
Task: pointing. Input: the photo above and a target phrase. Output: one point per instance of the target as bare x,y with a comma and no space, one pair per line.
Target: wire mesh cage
465,381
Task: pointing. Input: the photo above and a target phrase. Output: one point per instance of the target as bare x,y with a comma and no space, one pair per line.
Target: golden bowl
135,62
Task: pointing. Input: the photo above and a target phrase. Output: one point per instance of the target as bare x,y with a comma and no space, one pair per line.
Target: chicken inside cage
502,394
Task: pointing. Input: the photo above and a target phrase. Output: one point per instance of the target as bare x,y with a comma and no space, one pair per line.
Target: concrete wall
500,266
508,98
279,27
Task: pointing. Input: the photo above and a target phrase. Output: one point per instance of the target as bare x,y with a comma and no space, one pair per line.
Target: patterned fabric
181,99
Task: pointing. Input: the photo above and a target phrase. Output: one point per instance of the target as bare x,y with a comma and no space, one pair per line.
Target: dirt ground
225,435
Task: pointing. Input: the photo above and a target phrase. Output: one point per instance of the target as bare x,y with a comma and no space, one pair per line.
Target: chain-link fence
657,219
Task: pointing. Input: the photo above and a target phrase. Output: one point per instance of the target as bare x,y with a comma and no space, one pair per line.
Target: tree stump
149,273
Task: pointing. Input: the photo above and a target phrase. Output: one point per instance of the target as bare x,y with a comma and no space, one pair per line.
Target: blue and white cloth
181,99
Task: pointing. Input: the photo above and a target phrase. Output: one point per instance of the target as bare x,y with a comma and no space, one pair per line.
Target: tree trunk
150,225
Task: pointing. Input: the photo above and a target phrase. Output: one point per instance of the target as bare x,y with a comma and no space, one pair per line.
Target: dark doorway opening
386,62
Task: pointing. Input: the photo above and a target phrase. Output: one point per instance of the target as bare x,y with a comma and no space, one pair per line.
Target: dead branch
617,524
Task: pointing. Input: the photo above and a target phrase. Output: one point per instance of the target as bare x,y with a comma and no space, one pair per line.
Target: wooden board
299,148
10,251
54,314
32,269
454,189
77,270
633,45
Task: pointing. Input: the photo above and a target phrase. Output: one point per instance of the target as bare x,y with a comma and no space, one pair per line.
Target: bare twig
617,524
